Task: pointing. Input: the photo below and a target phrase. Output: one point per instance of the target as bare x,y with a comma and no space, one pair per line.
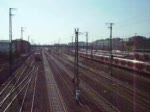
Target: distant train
135,65
37,56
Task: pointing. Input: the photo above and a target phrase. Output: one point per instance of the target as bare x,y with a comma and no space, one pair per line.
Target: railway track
113,80
99,100
142,81
28,100
15,78
15,91
127,92
56,101
68,88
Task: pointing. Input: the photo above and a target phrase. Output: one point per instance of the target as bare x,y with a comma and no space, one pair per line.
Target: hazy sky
48,21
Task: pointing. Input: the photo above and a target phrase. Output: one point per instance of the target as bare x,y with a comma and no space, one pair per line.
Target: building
80,43
22,46
104,44
4,46
138,42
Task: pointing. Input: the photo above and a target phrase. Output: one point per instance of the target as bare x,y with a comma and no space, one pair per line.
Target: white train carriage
121,62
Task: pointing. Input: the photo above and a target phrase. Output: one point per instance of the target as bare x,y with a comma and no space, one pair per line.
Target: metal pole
72,44
86,43
22,30
10,40
76,76
96,45
28,38
76,58
103,44
22,44
10,44
111,56
58,47
110,47
91,52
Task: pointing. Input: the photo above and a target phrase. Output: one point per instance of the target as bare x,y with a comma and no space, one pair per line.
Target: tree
136,42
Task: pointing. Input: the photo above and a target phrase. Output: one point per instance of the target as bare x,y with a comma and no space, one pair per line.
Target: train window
130,64
123,62
139,66
116,61
102,58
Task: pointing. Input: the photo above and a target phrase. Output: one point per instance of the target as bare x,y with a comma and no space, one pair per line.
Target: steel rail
67,85
18,94
11,78
98,98
33,98
55,100
26,91
127,97
5,98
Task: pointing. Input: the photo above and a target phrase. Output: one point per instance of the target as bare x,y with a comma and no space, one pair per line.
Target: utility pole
22,30
72,45
103,43
96,46
92,46
22,44
111,56
91,52
86,43
76,57
58,46
28,38
29,43
76,75
10,40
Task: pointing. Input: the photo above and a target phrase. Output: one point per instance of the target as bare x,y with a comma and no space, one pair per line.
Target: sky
53,21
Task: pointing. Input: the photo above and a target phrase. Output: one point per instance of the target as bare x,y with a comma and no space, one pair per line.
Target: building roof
4,41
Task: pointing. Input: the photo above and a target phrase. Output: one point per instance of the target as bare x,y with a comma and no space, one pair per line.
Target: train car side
135,65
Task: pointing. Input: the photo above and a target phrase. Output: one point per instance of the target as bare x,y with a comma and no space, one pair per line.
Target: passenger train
135,65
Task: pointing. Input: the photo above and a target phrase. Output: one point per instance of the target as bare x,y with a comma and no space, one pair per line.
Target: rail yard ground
48,86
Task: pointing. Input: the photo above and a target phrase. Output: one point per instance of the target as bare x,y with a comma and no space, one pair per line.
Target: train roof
129,60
